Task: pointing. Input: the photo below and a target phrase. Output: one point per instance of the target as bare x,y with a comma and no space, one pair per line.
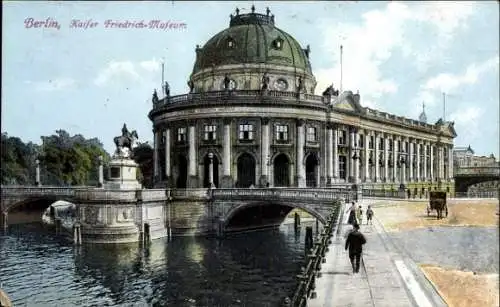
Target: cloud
431,91
53,84
152,65
467,122
370,44
125,71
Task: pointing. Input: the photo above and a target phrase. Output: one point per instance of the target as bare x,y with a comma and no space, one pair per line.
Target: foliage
64,160
143,155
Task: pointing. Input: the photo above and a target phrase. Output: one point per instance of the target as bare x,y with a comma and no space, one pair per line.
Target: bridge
468,176
224,207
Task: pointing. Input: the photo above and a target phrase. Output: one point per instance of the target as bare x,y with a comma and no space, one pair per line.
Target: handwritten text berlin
107,24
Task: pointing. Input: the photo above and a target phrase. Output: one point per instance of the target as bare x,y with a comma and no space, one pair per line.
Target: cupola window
278,43
230,43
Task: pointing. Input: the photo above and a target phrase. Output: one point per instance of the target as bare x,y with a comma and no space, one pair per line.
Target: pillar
211,169
37,175
367,157
335,153
192,179
156,168
431,171
265,158
386,158
425,176
417,170
450,163
4,219
411,149
101,172
376,155
168,166
395,159
352,145
441,162
227,181
301,170
329,153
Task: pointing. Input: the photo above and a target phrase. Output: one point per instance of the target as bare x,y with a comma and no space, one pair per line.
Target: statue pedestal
122,174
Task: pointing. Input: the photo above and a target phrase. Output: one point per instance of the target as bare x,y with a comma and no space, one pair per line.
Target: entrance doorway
182,166
246,171
281,171
312,170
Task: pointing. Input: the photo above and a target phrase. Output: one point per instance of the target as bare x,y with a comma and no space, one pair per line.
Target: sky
399,55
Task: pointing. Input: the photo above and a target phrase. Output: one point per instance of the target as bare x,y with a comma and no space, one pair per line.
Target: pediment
347,101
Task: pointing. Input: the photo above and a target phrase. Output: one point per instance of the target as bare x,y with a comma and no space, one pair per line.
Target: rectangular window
282,133
210,133
381,144
311,134
342,167
371,142
390,145
181,134
246,132
361,141
342,137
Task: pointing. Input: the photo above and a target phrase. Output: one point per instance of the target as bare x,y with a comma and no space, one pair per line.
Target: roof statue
155,97
422,117
166,89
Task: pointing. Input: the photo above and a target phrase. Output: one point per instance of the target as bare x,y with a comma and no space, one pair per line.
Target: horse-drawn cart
437,201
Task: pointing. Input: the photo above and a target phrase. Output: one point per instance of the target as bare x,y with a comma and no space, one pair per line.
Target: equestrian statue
125,143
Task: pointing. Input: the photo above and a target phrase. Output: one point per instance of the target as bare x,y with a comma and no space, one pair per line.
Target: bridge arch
277,215
40,202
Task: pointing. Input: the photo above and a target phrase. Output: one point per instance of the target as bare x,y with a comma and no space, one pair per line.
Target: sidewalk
386,279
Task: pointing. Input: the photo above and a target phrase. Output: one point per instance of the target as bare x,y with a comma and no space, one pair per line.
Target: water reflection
251,269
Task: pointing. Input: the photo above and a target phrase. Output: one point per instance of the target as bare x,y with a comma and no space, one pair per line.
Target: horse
439,205
126,141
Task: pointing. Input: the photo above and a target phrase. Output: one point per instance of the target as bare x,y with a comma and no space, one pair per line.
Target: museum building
251,119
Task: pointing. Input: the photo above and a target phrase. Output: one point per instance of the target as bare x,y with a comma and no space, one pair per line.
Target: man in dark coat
354,242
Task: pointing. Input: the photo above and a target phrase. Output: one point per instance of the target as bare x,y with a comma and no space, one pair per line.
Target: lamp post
355,157
268,163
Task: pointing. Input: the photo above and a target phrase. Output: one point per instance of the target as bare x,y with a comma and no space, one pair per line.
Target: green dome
252,39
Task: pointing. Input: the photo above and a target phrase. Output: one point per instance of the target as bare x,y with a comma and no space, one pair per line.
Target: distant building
464,157
251,118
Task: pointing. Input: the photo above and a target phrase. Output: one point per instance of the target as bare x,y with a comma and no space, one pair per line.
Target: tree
143,155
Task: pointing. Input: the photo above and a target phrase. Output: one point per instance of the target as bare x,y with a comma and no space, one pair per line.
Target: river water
250,269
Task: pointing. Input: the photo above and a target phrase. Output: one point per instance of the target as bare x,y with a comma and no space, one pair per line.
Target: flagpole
341,68
163,76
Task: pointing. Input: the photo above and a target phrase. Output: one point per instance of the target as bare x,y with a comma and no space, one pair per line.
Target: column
335,153
168,167
367,156
411,149
37,175
156,168
301,170
450,163
441,162
376,154
431,171
386,158
425,176
211,169
192,180
227,181
352,144
394,159
329,152
417,176
265,158
405,160
101,173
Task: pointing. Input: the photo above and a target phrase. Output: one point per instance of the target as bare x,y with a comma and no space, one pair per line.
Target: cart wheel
446,211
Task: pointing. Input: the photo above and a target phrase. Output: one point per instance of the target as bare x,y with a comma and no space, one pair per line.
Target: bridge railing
314,258
189,193
105,195
37,191
281,194
477,194
383,193
477,171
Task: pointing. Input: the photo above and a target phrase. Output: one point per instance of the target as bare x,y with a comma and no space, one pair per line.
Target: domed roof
252,39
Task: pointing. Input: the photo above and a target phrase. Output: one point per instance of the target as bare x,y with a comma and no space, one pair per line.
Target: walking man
354,242
359,213
369,215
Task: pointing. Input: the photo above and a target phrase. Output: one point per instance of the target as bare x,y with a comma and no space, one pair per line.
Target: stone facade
247,134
